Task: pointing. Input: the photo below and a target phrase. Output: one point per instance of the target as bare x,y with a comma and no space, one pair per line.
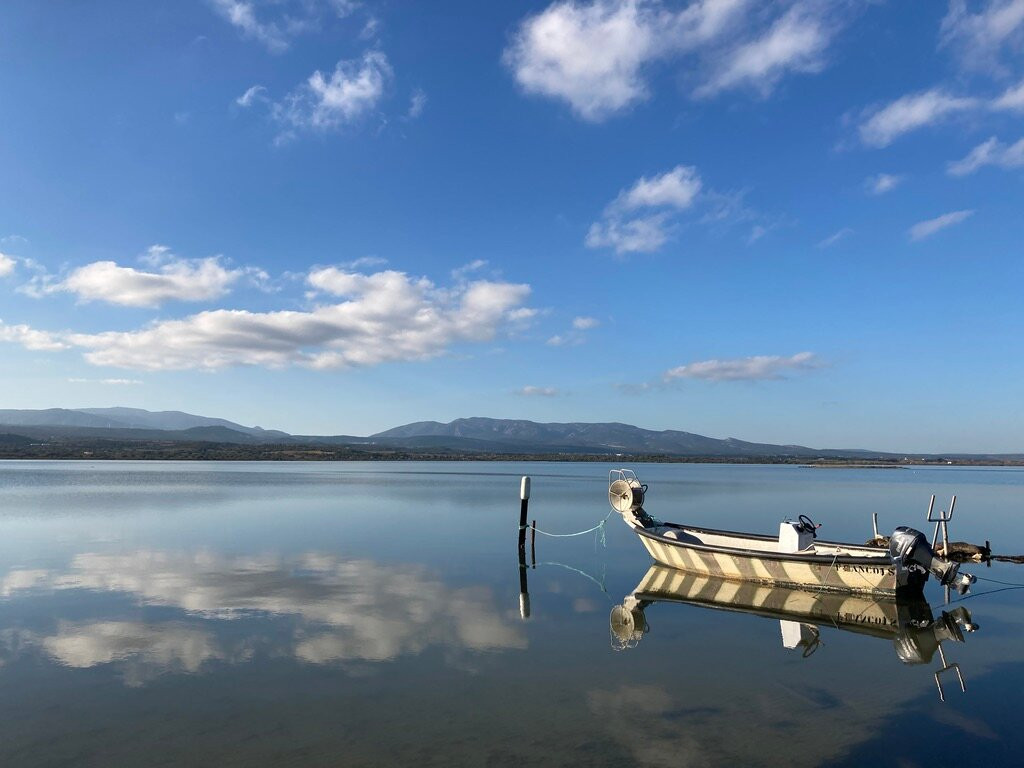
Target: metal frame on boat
795,558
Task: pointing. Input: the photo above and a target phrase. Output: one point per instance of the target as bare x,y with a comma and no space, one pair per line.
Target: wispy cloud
979,38
795,42
639,219
596,56
382,317
111,382
577,333
1012,99
327,101
991,152
276,23
417,103
881,183
757,368
834,238
7,265
531,391
884,125
927,228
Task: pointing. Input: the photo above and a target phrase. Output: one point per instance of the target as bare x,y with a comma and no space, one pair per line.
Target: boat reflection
915,632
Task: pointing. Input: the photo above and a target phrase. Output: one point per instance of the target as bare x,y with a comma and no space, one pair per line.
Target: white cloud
251,96
991,152
979,38
757,368
7,265
628,231
275,23
1012,98
927,228
882,183
577,333
796,42
112,382
909,113
386,317
30,338
638,235
531,391
596,56
341,97
585,323
835,238
417,103
175,280
462,273
673,189
589,55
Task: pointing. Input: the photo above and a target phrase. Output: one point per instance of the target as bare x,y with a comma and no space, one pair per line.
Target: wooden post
524,503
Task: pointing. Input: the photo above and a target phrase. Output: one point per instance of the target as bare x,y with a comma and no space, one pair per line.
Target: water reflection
315,608
908,623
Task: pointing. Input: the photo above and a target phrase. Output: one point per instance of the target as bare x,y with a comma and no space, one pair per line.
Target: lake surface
367,614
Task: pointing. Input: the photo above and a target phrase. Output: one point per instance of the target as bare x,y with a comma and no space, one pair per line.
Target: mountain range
470,435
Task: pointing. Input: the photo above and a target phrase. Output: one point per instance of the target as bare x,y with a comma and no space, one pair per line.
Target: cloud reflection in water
338,610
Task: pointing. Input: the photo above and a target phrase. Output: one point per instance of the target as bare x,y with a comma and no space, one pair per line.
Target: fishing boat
907,621
794,558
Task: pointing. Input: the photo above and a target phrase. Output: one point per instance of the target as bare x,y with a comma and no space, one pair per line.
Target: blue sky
791,221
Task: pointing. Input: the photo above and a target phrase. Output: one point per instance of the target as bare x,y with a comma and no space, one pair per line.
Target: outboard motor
913,557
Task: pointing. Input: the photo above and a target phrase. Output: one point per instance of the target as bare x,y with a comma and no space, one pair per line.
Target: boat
906,621
794,558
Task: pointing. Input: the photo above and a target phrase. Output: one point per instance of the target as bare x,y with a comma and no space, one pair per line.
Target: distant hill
610,437
460,437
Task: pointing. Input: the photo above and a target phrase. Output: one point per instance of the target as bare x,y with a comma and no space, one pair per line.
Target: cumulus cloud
384,317
275,23
929,227
908,113
174,280
757,368
327,101
979,38
595,56
531,391
30,338
643,234
7,265
628,224
881,183
991,152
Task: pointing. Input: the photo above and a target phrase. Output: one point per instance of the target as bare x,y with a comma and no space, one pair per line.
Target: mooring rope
599,529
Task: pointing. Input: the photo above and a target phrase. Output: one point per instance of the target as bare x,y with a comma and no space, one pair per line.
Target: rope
824,583
1004,583
599,528
600,584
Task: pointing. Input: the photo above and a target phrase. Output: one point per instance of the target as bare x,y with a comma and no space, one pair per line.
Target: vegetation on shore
17,447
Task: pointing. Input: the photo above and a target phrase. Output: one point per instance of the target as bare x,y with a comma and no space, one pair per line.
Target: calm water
369,614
